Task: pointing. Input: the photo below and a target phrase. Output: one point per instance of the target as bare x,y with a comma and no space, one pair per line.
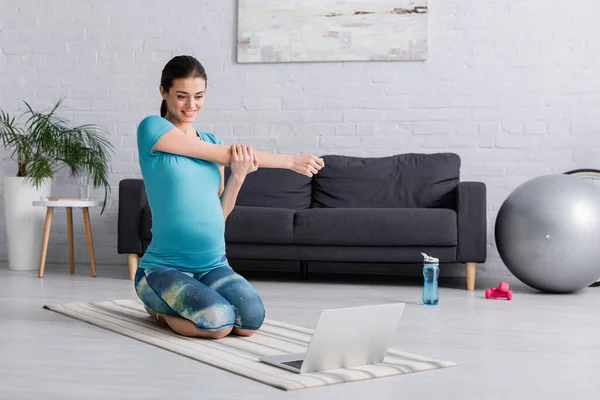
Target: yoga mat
240,355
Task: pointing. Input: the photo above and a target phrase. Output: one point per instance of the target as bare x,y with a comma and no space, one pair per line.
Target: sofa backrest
274,187
400,181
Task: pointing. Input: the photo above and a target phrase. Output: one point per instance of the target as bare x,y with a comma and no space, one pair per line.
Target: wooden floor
534,347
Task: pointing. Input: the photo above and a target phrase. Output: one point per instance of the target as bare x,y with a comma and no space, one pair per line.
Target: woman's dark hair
179,67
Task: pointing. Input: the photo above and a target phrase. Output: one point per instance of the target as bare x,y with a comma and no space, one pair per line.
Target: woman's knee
216,317
148,296
248,306
250,315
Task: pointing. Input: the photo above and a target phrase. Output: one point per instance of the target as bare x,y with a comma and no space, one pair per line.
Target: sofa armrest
132,200
471,209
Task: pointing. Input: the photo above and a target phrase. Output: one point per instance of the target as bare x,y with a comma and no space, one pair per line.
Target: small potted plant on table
41,146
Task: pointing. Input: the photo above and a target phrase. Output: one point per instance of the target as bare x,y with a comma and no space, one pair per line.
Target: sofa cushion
376,227
405,180
274,187
259,225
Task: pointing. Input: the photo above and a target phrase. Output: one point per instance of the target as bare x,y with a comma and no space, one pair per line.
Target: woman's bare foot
157,317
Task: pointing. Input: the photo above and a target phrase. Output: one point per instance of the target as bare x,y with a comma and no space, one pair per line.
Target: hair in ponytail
163,108
179,67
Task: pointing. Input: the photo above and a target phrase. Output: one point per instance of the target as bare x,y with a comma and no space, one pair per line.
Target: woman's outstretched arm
177,142
305,164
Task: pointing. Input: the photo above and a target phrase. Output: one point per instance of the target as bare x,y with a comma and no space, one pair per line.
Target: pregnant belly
189,236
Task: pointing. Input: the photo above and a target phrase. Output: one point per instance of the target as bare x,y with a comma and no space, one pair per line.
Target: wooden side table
68,204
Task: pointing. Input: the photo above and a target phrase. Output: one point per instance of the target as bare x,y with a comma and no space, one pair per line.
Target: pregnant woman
184,278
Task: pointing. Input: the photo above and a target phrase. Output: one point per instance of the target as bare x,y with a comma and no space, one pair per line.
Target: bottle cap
429,260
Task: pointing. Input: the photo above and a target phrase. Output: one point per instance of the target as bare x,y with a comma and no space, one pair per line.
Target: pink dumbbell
501,292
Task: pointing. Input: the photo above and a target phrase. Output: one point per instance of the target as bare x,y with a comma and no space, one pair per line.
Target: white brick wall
512,87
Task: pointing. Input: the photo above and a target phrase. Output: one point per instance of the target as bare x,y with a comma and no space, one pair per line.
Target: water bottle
431,271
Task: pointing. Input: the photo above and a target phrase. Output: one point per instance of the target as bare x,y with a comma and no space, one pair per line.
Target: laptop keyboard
295,363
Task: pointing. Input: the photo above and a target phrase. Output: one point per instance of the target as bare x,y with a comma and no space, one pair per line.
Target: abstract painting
331,30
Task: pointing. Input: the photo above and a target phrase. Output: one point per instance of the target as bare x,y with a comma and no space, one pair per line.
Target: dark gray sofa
370,210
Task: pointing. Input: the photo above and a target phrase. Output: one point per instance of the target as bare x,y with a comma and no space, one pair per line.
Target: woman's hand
307,164
243,161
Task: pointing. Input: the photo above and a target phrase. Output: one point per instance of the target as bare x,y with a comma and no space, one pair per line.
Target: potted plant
43,145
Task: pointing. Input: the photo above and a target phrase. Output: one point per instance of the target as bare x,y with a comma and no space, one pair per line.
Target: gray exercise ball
548,233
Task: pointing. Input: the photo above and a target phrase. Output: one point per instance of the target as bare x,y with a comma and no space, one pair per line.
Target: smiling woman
184,278
183,98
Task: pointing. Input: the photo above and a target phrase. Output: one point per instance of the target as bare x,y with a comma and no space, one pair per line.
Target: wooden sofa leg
133,265
471,269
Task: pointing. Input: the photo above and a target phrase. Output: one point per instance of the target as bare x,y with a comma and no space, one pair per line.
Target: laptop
345,338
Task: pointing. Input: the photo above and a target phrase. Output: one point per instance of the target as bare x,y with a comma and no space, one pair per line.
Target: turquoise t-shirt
188,227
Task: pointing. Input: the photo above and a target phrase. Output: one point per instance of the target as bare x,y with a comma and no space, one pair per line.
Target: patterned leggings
214,300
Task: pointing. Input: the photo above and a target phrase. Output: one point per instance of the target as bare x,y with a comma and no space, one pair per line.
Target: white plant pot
24,222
